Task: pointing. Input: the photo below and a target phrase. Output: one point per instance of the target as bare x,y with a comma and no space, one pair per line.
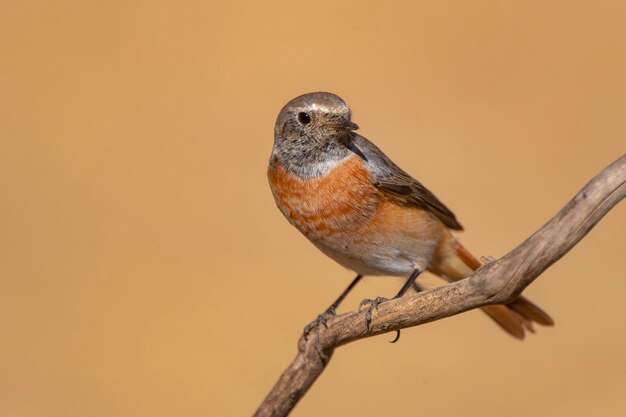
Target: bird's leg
409,283
328,314
373,304
417,289
331,311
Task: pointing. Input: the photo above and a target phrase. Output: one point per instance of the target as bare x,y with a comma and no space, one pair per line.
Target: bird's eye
304,118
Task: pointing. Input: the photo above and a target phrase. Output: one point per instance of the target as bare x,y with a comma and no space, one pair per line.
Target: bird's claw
373,305
321,320
487,259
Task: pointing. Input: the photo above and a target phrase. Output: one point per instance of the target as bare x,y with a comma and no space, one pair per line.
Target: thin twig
497,282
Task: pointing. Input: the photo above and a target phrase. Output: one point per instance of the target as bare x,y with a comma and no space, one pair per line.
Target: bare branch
499,282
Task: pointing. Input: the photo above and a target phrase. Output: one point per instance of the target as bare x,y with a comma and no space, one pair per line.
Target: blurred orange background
145,270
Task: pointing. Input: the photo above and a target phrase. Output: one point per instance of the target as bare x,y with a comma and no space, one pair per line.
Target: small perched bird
359,208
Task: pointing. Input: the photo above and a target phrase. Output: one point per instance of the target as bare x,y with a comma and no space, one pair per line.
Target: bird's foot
319,321
373,305
315,325
487,259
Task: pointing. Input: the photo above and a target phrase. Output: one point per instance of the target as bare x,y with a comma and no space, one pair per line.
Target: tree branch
498,282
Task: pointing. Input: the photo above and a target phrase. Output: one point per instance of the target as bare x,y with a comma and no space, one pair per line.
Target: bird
360,209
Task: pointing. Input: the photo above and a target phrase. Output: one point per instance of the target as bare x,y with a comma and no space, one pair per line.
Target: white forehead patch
316,106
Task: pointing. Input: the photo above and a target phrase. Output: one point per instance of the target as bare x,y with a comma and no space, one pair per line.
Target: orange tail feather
516,318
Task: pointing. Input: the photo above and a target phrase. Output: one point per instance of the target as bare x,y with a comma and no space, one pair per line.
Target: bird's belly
394,241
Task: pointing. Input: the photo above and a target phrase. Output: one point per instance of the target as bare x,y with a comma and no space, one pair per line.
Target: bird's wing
394,181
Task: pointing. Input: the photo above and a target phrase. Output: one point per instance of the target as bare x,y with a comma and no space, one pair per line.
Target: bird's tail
455,263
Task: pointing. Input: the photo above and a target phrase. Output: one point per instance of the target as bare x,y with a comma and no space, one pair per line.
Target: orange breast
337,202
355,223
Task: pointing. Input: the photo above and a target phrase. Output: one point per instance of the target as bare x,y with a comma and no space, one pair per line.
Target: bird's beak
347,125
351,126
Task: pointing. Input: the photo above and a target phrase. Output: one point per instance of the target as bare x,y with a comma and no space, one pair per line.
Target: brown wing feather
415,193
392,179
